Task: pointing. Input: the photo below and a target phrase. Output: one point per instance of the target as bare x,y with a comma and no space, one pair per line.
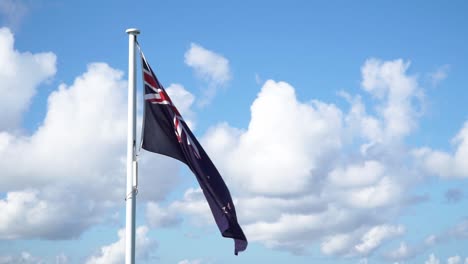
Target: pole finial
133,31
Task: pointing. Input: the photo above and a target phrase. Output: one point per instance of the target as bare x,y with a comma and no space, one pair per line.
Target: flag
165,132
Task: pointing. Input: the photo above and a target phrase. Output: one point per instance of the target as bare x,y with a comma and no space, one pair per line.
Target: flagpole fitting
130,194
133,31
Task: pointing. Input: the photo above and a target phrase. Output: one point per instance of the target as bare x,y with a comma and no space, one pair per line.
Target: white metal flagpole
131,150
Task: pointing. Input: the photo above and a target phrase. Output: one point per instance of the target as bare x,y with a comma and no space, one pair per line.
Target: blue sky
338,126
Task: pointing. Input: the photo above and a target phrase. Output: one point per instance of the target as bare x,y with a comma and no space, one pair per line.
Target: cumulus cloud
24,258
61,259
317,128
357,174
60,148
459,231
376,235
193,204
432,260
360,242
450,260
314,173
34,214
445,164
115,253
403,252
276,115
208,64
77,153
385,192
389,80
73,148
21,73
454,260
27,258
338,244
160,217
310,172
211,67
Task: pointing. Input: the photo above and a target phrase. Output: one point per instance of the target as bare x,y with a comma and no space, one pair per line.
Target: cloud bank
21,73
305,173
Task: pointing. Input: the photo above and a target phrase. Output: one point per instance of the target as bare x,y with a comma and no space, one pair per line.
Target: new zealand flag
165,132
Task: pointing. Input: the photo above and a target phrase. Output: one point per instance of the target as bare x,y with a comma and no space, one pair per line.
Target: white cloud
77,152
358,122
193,204
310,172
183,100
31,214
376,235
297,232
360,242
401,253
432,260
446,164
450,260
156,216
336,244
404,252
24,258
208,64
6,259
74,144
282,132
156,170
357,175
454,260
115,253
211,67
287,231
305,177
186,261
431,240
389,81
270,207
20,75
459,231
383,193
61,259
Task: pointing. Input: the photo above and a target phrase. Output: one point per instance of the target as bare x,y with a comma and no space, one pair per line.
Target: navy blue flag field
165,132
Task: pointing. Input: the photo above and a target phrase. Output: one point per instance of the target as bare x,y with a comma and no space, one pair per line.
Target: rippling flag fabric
165,132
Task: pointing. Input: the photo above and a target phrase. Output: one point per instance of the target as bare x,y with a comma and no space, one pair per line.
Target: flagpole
131,153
